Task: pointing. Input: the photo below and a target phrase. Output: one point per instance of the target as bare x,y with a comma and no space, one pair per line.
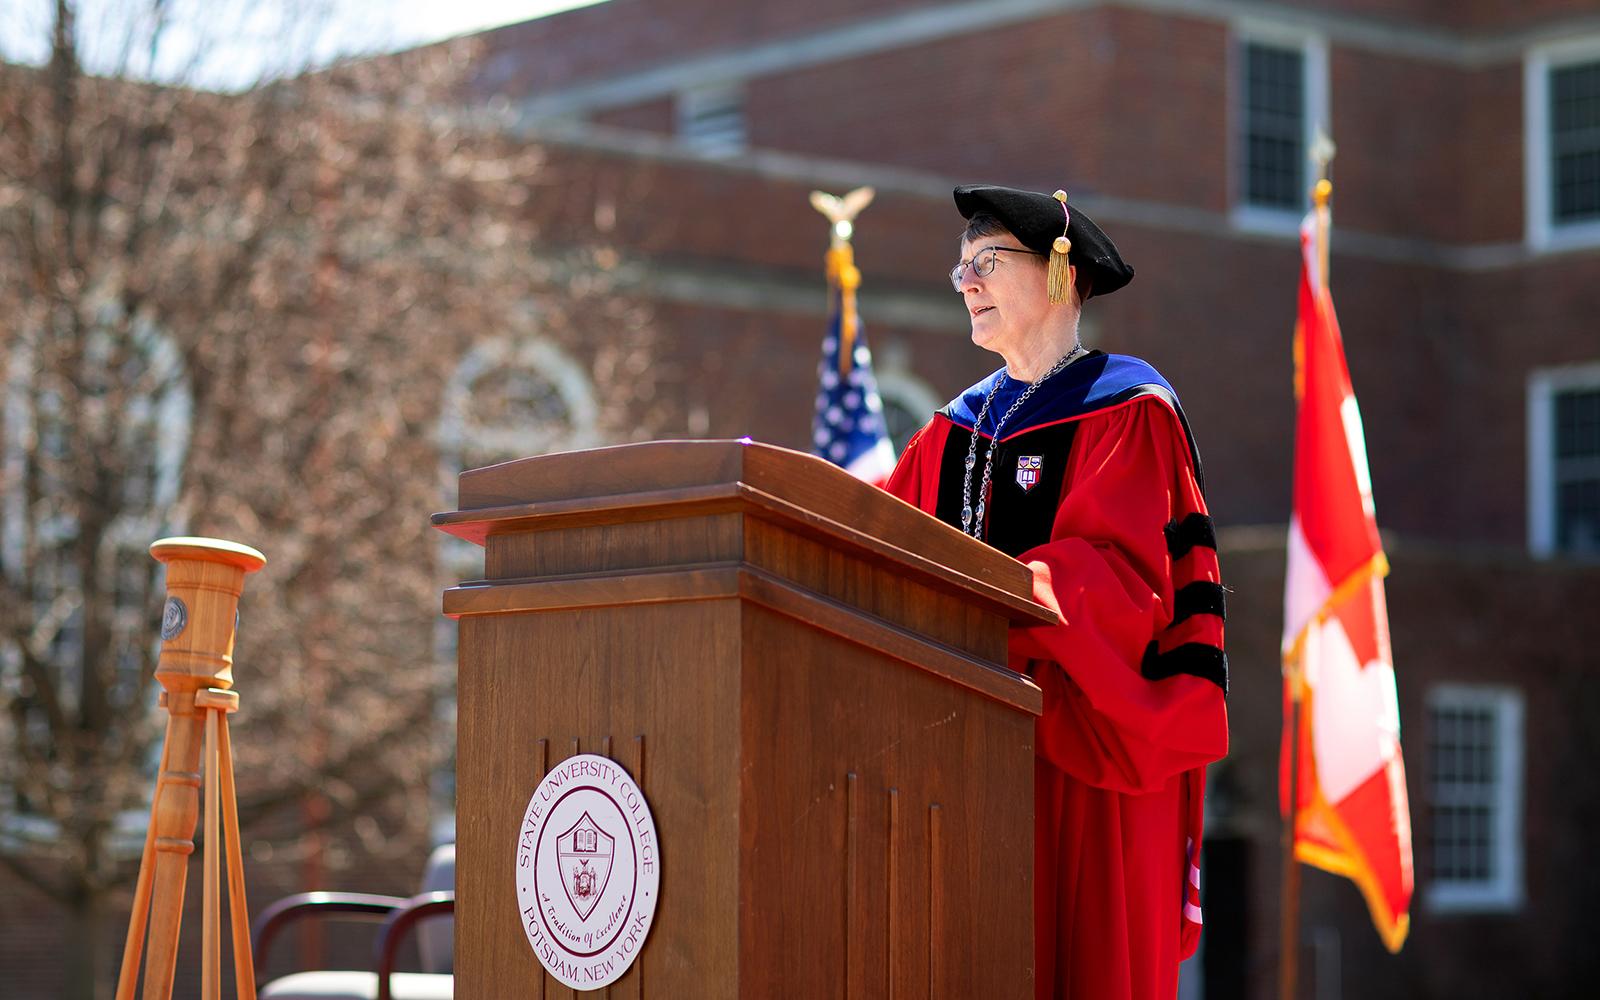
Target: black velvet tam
1035,219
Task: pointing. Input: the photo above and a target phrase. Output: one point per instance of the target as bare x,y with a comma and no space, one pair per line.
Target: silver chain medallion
972,520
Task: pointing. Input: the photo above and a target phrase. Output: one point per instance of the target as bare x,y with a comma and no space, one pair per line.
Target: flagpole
1322,150
1289,926
841,212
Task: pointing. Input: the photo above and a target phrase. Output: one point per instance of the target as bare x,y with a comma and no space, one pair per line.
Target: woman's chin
984,335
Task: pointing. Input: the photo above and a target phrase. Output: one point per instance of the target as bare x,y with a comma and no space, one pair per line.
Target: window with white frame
1274,113
1474,799
1561,89
1281,101
511,398
1564,461
711,119
1575,142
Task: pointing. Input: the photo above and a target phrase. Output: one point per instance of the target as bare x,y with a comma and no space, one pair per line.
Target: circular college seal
588,871
174,618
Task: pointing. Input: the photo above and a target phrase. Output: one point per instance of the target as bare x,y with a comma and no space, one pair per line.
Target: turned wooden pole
204,579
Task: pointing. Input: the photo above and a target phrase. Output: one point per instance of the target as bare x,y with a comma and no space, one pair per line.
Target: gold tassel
1058,269
1058,274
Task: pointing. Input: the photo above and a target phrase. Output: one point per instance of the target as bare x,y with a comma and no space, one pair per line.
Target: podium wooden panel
806,677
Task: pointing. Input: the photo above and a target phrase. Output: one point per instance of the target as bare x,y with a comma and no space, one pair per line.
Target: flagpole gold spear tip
1322,192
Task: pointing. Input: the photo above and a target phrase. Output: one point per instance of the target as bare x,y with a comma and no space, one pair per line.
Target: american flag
848,429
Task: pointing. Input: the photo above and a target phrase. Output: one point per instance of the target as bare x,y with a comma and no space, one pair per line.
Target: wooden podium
807,678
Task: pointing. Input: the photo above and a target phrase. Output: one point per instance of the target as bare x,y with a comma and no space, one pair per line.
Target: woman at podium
1081,464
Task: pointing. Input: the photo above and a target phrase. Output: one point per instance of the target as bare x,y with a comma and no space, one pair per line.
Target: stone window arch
515,397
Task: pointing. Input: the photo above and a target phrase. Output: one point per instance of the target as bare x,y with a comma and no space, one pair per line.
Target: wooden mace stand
204,579
840,762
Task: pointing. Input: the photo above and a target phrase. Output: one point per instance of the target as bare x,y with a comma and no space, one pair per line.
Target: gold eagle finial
842,211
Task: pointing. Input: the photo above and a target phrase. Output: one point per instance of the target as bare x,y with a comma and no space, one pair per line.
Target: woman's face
1007,306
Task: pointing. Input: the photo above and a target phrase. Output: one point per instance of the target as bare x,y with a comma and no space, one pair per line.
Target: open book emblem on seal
1028,467
585,852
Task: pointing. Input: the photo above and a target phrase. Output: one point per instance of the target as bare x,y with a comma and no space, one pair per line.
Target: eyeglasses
983,263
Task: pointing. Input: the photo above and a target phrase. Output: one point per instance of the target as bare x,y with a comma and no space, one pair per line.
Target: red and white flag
1351,813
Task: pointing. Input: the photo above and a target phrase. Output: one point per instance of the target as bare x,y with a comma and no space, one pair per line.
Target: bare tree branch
238,315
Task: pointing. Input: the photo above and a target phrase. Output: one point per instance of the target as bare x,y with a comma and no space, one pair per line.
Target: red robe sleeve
1112,578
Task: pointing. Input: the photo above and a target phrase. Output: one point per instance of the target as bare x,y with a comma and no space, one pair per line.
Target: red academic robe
1133,673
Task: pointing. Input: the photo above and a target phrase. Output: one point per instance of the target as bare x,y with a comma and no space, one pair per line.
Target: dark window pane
1578,424
1575,142
1576,473
1274,126
1478,840
1578,516
1441,846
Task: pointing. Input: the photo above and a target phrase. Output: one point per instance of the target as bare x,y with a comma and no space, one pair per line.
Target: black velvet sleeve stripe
1199,598
1194,658
1184,535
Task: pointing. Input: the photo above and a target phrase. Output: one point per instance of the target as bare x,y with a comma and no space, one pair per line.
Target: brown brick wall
1463,619
1165,110
995,105
1080,99
595,42
724,215
1427,151
1388,112
622,35
1139,105
1489,165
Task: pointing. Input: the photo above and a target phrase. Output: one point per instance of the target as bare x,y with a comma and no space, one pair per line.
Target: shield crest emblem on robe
585,852
1028,467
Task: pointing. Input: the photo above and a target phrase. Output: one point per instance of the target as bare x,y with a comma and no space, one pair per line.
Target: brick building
1467,225
682,136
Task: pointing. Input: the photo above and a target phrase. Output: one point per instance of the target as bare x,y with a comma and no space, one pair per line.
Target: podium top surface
675,478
